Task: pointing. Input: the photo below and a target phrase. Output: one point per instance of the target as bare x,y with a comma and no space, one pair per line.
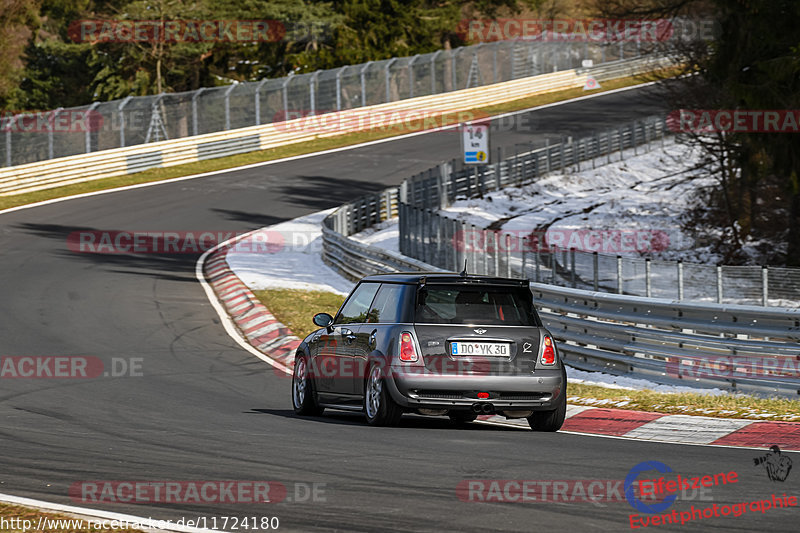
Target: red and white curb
255,323
260,332
677,429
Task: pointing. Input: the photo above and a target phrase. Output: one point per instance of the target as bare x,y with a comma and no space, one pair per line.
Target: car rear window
470,304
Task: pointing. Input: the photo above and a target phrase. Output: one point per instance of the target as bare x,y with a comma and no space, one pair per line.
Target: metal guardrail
97,165
38,136
434,237
735,347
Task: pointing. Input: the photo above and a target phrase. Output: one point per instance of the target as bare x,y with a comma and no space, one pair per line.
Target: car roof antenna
464,272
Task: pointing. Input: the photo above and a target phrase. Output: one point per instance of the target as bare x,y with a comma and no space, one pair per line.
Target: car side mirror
323,320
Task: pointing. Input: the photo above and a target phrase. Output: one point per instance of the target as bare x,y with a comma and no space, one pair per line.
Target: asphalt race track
204,409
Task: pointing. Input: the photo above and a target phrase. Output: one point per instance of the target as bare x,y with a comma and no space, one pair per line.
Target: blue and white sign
475,143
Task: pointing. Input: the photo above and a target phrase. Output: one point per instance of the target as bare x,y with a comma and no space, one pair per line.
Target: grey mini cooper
435,344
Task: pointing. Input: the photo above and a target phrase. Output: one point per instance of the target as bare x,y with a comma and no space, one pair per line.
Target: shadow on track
408,421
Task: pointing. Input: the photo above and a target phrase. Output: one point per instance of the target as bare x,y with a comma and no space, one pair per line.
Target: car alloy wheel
299,383
379,407
303,400
374,392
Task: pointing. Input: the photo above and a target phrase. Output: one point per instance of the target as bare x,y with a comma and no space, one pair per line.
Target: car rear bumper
538,391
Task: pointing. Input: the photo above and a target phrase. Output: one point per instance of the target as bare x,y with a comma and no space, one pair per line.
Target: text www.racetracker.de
224,523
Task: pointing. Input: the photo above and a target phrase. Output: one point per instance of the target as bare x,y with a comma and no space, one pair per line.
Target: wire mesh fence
431,236
36,136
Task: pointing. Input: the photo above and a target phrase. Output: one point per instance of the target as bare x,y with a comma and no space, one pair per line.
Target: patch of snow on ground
628,383
385,235
294,260
646,192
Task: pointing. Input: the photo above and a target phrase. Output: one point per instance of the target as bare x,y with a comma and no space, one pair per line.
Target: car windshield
469,304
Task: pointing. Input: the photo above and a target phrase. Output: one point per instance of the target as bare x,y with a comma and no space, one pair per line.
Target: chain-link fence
37,136
432,237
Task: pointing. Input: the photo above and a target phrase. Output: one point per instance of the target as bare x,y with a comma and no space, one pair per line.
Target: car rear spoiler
472,279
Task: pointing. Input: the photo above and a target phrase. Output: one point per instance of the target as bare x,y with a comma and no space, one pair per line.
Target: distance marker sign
475,143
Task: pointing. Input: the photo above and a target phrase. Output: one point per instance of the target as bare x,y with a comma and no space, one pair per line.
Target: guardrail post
8,127
285,91
680,280
120,110
387,77
595,274
339,87
647,277
486,252
362,75
508,255
411,75
494,60
524,256
434,57
549,154
258,100
719,284
572,260
764,286
88,137
619,274
50,125
228,106
195,96
553,257
312,89
453,62
536,258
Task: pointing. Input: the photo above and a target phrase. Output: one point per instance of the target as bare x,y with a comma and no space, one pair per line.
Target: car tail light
407,351
548,351
483,395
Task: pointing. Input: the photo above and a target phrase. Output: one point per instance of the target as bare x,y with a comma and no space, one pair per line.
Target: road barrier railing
735,347
119,161
27,137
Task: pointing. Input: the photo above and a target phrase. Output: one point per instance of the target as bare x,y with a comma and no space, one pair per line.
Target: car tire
554,419
304,399
379,407
460,418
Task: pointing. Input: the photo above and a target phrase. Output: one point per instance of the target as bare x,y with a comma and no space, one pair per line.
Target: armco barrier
696,344
657,339
98,165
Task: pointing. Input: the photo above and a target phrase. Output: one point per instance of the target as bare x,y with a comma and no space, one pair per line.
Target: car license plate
479,348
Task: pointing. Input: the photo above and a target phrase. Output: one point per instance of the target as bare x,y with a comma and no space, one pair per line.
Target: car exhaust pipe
487,408
477,408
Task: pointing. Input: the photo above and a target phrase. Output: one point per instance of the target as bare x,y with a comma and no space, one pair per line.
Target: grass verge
721,406
295,308
222,163
18,519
